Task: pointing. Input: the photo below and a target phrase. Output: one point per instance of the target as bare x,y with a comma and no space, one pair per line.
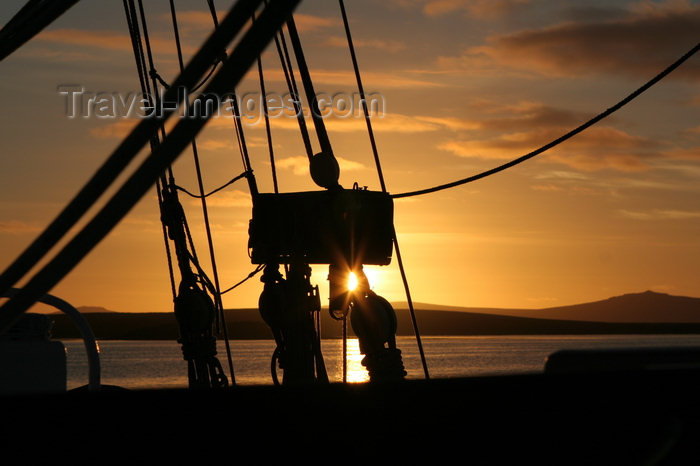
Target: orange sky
466,85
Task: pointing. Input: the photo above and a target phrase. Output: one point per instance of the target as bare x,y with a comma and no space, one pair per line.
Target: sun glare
372,277
352,281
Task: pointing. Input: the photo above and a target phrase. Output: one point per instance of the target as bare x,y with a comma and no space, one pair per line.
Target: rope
168,254
31,19
212,10
380,173
140,67
154,74
243,56
268,131
561,139
225,185
240,136
205,210
134,30
136,46
242,146
320,126
147,42
236,114
250,275
286,62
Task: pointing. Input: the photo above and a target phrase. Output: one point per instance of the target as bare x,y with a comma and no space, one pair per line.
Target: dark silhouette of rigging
342,228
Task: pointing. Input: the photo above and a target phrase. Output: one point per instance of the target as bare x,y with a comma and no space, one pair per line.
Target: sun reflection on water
356,371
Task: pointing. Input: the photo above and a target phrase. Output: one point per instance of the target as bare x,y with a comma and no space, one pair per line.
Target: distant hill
41,308
640,313
93,309
646,307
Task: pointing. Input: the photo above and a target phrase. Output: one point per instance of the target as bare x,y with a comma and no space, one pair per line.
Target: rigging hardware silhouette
346,242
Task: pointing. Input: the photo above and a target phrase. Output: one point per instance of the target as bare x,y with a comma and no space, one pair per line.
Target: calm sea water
159,364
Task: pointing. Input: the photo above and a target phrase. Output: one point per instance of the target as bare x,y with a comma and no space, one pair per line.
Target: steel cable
383,185
561,139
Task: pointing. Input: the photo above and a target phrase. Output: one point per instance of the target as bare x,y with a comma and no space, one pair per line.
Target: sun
372,277
352,281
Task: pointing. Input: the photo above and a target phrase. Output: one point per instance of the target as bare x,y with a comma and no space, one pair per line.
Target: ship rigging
625,415
341,228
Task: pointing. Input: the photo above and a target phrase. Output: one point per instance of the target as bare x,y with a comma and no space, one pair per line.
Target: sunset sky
466,85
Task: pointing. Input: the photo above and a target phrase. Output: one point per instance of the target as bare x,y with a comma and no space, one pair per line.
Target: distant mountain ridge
649,306
634,313
646,307
93,309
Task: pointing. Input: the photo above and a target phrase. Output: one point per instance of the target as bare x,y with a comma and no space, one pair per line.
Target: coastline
247,324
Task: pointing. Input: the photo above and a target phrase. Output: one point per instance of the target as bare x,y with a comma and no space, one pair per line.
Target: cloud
599,161
481,9
580,13
102,40
226,198
385,123
108,40
526,114
300,164
305,23
595,149
692,153
391,46
229,142
202,19
349,165
534,125
642,43
473,8
214,144
583,183
16,227
193,19
451,123
561,175
546,187
138,225
118,129
398,123
47,53
659,214
401,79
